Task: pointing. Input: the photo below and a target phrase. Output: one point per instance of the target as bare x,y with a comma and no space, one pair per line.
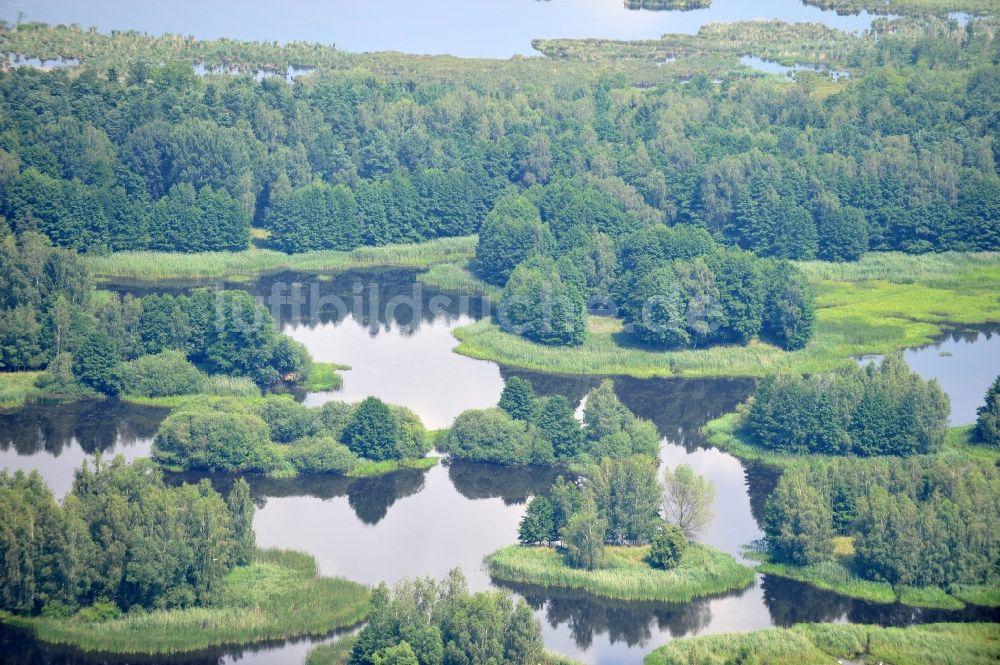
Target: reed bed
334,653
626,576
279,596
827,644
368,468
158,266
324,377
16,387
457,278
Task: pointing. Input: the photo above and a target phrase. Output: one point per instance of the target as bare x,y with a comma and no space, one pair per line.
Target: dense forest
125,155
883,409
588,189
120,539
425,621
658,193
97,342
914,521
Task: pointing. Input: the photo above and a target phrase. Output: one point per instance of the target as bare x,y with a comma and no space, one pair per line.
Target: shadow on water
678,407
791,602
369,498
95,426
631,623
487,481
18,647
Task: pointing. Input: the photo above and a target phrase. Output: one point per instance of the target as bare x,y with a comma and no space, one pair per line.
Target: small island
279,437
606,535
625,573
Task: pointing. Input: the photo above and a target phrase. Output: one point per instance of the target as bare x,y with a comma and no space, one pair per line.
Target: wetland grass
828,644
279,596
625,575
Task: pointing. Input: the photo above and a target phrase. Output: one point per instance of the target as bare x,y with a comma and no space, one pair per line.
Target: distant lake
470,28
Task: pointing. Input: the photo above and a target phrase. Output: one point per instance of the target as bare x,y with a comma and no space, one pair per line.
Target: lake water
396,335
965,364
476,28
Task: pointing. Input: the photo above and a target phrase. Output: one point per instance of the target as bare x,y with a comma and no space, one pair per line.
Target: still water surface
426,522
473,28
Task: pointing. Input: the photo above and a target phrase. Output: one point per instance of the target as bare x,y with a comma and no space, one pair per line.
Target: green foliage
557,423
160,375
518,398
321,454
687,500
798,522
511,232
614,431
627,496
876,410
491,435
424,621
212,440
400,654
822,644
316,216
881,304
279,436
537,304
987,430
278,597
287,420
583,538
372,431
58,380
538,526
667,547
550,432
790,313
186,220
121,538
94,363
914,522
241,508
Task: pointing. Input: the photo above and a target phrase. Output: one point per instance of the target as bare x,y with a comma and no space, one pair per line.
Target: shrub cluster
275,434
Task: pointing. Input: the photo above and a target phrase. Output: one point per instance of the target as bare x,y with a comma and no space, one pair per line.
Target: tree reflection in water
94,425
632,623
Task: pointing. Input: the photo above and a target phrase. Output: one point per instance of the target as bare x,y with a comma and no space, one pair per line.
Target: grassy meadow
279,596
16,387
162,266
882,303
829,644
625,575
